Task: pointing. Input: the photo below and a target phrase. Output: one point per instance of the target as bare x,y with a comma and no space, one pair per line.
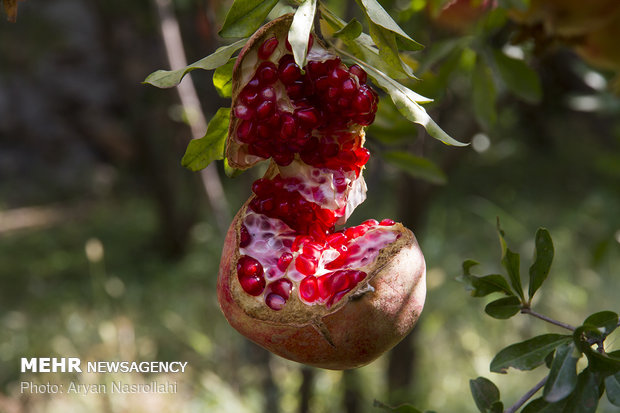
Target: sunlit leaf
230,171
416,166
388,50
299,33
503,308
518,77
170,78
543,257
350,31
563,374
485,394
222,79
527,354
377,14
245,17
407,103
612,387
201,152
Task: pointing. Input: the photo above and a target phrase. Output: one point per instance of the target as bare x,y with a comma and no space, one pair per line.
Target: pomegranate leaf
10,8
388,50
483,95
503,308
541,406
377,14
612,387
350,31
486,395
543,257
586,394
245,17
416,166
563,375
298,34
492,283
403,408
201,152
518,77
511,262
222,79
605,322
528,354
171,78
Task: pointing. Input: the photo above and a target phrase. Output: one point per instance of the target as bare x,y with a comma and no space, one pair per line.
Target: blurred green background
109,249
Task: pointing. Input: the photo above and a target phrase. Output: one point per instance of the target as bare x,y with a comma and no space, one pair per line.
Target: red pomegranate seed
243,112
263,131
322,84
348,87
312,250
254,83
340,281
344,103
282,287
256,149
323,285
308,288
362,103
275,301
356,276
295,90
284,261
307,117
266,49
387,222
316,68
359,72
267,73
249,96
264,109
355,232
362,155
336,239
250,274
370,223
288,126
268,93
244,237
338,76
299,241
305,265
288,70
283,158
245,132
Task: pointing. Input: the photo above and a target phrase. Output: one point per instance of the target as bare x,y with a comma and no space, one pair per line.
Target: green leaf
406,102
485,394
483,95
299,33
563,375
511,262
603,364
377,14
605,322
245,17
388,50
170,78
518,77
201,152
586,395
542,406
230,171
416,166
612,387
222,79
543,257
403,408
483,286
503,308
528,354
350,31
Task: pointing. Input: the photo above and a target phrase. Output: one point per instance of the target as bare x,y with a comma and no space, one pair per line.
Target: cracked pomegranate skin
360,331
288,280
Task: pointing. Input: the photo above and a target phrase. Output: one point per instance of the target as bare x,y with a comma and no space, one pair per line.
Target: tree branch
527,310
526,396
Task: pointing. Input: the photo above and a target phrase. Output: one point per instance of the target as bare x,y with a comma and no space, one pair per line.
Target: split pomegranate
289,279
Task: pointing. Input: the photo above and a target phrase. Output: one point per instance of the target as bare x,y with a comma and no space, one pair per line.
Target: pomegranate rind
359,328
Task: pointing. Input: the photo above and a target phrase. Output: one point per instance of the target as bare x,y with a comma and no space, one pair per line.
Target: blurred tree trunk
351,396
305,390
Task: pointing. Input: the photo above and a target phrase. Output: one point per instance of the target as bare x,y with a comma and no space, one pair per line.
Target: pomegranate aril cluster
280,108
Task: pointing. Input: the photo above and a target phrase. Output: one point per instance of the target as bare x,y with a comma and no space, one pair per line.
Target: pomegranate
288,279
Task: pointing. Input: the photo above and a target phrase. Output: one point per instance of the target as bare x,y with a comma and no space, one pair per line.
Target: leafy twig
526,396
527,310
